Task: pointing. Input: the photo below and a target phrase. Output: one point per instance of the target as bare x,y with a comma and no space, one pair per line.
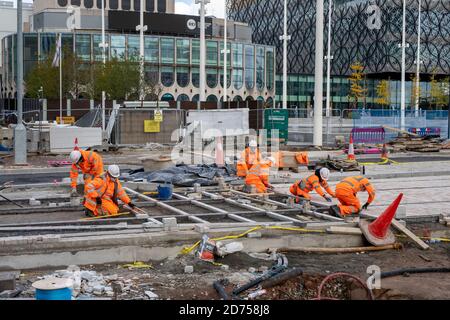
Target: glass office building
364,31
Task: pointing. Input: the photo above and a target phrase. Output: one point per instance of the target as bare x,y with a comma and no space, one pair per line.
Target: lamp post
141,28
318,76
403,93
285,37
20,132
202,95
418,62
329,57
225,54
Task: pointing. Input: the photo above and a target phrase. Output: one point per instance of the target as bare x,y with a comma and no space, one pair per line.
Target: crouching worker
90,164
103,193
258,175
249,156
315,182
346,191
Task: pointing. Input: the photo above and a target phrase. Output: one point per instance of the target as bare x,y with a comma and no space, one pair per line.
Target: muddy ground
168,280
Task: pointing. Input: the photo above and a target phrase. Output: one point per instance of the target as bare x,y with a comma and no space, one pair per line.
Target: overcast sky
215,7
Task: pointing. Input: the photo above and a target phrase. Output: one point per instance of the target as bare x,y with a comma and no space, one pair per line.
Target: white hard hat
75,156
324,173
271,159
114,171
253,144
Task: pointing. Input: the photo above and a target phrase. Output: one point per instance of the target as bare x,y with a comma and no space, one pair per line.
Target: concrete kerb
144,247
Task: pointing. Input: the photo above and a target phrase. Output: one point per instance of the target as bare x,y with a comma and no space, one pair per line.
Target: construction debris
339,164
405,143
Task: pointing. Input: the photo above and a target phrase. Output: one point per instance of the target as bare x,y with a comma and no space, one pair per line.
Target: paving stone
8,280
254,235
188,269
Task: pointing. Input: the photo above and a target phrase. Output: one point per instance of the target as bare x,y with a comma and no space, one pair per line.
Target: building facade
171,55
364,31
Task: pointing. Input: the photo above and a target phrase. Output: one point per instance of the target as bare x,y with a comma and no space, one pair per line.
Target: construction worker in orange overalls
90,164
258,175
346,191
103,193
316,182
249,156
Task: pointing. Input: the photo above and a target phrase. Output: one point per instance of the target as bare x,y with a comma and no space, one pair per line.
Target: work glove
328,199
98,200
131,205
74,192
365,206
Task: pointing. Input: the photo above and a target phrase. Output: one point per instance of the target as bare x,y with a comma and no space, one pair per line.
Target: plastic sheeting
188,175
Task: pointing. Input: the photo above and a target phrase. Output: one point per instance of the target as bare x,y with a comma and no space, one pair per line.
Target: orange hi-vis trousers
349,202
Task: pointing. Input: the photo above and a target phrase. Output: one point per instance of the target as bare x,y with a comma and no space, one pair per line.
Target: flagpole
61,121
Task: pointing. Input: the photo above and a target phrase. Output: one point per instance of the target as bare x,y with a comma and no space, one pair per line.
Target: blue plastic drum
165,191
53,289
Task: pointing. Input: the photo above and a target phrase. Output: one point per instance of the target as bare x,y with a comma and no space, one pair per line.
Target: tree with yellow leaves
383,93
415,92
357,91
438,97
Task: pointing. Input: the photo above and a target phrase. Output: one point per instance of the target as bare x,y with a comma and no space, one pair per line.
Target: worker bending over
315,182
258,175
103,193
249,157
90,164
346,191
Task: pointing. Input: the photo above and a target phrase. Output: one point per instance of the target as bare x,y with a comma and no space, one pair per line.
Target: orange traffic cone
76,144
378,232
351,150
384,152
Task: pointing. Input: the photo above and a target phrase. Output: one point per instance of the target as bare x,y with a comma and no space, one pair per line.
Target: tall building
172,47
364,31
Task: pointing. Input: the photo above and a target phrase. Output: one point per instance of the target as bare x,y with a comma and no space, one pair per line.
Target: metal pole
103,110
329,57
103,44
225,55
318,76
61,121
202,49
20,132
418,62
403,93
285,37
141,28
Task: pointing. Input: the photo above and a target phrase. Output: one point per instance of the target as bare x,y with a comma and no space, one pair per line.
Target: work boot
336,212
89,213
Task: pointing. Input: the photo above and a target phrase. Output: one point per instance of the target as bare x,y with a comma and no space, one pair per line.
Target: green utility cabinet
277,119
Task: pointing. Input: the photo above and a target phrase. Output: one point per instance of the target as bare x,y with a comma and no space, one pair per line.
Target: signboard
67,120
158,116
151,126
158,23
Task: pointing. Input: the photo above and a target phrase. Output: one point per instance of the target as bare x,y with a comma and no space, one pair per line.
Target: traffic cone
351,150
76,144
378,232
384,152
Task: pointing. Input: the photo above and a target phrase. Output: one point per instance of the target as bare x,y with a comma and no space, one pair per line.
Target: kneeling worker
346,191
90,164
316,182
103,192
249,156
258,175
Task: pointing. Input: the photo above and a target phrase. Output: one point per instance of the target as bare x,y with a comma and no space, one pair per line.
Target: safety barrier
368,135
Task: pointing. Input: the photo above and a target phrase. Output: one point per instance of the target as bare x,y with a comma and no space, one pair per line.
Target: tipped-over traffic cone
378,232
351,150
384,152
76,144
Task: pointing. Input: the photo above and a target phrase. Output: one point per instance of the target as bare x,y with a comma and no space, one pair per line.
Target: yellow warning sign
66,120
158,116
151,126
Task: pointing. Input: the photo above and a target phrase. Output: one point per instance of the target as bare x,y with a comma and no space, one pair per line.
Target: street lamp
20,132
225,54
202,49
141,28
329,57
403,93
285,37
418,62
318,76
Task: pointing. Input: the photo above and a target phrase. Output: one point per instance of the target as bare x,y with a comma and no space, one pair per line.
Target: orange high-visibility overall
91,167
346,191
258,175
248,158
303,187
109,191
